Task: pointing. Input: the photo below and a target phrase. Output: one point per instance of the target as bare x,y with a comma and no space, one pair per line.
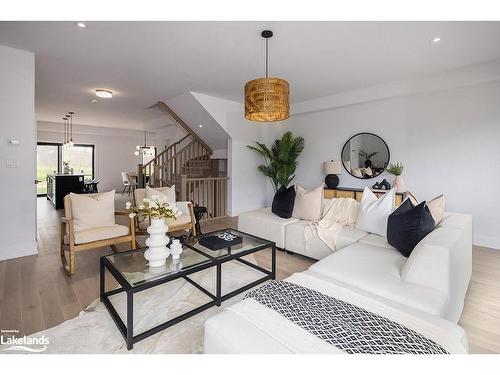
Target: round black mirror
365,155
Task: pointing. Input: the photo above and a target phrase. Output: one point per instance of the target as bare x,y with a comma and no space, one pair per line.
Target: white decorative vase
157,241
399,184
176,249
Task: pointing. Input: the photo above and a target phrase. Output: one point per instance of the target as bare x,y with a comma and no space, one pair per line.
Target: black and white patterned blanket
348,327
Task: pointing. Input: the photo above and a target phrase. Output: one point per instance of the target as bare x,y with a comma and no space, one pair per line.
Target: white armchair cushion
184,207
167,193
373,212
96,234
93,211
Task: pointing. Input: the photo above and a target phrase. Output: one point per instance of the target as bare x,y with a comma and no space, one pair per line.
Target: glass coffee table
130,269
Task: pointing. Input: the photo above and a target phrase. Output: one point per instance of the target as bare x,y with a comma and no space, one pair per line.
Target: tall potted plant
280,163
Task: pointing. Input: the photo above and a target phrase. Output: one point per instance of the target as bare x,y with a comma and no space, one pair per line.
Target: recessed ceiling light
436,40
200,125
81,25
103,93
94,100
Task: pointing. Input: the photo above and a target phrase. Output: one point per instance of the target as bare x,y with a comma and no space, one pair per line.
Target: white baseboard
18,250
487,241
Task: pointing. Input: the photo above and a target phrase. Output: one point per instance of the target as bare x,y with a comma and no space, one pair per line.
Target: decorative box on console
343,192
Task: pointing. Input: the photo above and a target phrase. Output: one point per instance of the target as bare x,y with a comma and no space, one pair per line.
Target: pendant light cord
267,57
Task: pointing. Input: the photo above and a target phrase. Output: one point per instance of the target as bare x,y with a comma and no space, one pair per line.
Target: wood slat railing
209,192
193,160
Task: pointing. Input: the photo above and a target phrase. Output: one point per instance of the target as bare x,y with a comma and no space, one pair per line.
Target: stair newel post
140,176
184,194
156,175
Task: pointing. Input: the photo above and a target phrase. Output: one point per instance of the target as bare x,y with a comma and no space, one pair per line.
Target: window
51,158
47,162
79,158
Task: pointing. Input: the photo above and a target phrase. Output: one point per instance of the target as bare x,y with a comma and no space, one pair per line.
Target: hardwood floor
36,294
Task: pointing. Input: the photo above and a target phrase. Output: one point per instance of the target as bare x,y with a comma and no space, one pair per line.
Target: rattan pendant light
267,99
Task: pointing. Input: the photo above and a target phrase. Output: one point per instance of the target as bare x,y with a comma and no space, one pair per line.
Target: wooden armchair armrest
131,223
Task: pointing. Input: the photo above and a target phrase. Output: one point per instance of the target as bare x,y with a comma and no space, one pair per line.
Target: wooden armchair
186,221
73,241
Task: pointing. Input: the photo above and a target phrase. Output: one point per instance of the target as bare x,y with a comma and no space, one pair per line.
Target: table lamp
332,169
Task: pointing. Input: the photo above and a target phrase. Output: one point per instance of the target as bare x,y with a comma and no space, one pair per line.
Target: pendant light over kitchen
267,99
68,130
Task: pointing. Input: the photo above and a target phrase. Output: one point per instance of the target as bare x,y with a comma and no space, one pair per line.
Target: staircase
187,164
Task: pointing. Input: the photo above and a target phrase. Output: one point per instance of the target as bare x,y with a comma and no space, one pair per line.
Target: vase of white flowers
157,210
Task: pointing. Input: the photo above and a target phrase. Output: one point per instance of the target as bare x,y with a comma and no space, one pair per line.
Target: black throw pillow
408,225
283,202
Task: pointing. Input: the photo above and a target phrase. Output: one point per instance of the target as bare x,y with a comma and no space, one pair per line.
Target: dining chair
127,184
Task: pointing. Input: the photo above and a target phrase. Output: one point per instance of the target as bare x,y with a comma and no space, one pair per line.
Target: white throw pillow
357,173
373,212
436,206
93,211
307,204
166,193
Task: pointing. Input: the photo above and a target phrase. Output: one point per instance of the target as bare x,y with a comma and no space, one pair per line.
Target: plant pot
399,184
368,163
157,251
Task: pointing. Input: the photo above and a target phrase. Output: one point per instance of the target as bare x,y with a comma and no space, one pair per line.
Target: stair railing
209,192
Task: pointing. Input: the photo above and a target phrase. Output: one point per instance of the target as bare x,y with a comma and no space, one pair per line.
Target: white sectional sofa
248,327
425,292
434,279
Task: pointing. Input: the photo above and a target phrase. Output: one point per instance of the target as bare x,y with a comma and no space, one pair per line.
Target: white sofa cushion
373,212
96,234
295,240
263,223
443,260
93,211
347,236
378,270
376,240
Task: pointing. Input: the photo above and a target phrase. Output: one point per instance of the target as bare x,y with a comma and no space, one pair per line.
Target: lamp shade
332,167
267,99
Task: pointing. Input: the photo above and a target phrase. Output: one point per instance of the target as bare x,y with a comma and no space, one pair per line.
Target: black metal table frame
127,330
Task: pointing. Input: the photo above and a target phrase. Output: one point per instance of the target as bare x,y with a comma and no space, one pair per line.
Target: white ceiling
143,62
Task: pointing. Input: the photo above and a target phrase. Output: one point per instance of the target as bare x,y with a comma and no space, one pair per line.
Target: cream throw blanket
337,213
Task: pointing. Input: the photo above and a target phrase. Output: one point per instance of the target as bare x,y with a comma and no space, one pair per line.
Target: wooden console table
343,192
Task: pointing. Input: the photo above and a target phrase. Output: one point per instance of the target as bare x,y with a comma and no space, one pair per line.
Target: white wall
114,149
248,188
448,141
17,163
